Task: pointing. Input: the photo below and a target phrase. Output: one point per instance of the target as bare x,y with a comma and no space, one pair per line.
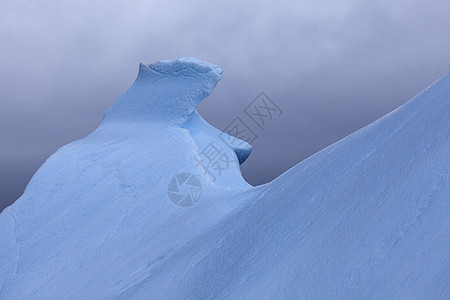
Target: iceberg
134,211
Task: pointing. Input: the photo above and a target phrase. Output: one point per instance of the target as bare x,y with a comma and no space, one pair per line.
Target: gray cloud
332,67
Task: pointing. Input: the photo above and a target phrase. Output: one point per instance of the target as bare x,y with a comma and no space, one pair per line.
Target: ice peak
185,66
166,91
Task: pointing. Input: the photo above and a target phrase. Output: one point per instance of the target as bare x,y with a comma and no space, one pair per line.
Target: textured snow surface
368,217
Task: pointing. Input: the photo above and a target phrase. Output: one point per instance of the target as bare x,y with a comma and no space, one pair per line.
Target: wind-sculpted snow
368,217
167,92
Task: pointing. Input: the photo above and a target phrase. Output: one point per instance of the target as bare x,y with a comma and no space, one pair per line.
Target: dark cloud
332,67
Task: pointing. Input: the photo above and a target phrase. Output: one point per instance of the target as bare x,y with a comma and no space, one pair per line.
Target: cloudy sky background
332,66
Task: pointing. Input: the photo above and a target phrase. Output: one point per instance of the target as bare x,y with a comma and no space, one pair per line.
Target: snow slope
368,217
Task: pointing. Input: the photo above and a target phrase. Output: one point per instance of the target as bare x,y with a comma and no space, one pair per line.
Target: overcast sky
331,66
